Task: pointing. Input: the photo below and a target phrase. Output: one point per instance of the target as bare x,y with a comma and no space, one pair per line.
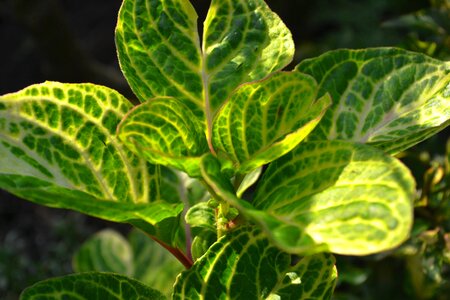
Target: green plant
220,110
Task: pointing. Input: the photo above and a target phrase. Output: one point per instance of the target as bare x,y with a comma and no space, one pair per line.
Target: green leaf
244,265
160,54
243,40
386,97
91,286
106,251
314,277
138,257
264,120
241,265
164,131
58,148
248,180
201,215
328,196
158,47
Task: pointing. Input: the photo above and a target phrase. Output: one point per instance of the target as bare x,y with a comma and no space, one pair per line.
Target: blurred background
73,41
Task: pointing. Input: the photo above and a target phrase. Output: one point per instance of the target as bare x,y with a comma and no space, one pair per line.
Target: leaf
158,47
58,148
264,120
248,180
201,215
328,196
91,286
164,131
106,251
386,97
314,277
244,265
139,257
243,40
160,55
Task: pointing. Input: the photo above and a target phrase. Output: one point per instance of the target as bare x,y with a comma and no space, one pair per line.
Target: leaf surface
244,265
164,131
328,196
160,54
58,148
314,277
386,97
264,120
91,286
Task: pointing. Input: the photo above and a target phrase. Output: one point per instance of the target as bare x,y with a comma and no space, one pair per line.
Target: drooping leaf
139,257
328,196
387,97
91,286
159,49
58,148
314,277
264,120
244,265
106,251
164,131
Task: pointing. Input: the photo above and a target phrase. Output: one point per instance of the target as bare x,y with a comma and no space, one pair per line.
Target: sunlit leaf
58,148
264,120
335,196
387,97
91,286
164,131
160,53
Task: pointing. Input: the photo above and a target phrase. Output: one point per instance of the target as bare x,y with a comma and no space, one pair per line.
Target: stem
186,261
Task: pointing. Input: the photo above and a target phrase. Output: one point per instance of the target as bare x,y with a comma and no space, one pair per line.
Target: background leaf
58,148
387,97
91,286
264,120
139,257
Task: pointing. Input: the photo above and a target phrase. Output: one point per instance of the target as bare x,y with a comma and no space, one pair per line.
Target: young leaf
264,120
91,286
58,148
164,131
244,265
336,196
160,55
314,277
389,98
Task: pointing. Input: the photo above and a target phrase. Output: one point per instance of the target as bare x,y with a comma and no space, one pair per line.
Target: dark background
73,41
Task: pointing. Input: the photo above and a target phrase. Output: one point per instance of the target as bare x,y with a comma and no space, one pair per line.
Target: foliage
220,111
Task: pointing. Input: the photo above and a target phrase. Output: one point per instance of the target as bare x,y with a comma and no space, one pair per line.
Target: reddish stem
186,261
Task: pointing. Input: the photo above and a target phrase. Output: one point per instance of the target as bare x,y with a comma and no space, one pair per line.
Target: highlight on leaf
390,98
266,119
164,131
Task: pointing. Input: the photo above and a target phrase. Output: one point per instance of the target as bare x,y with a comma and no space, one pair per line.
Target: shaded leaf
264,120
91,286
387,97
